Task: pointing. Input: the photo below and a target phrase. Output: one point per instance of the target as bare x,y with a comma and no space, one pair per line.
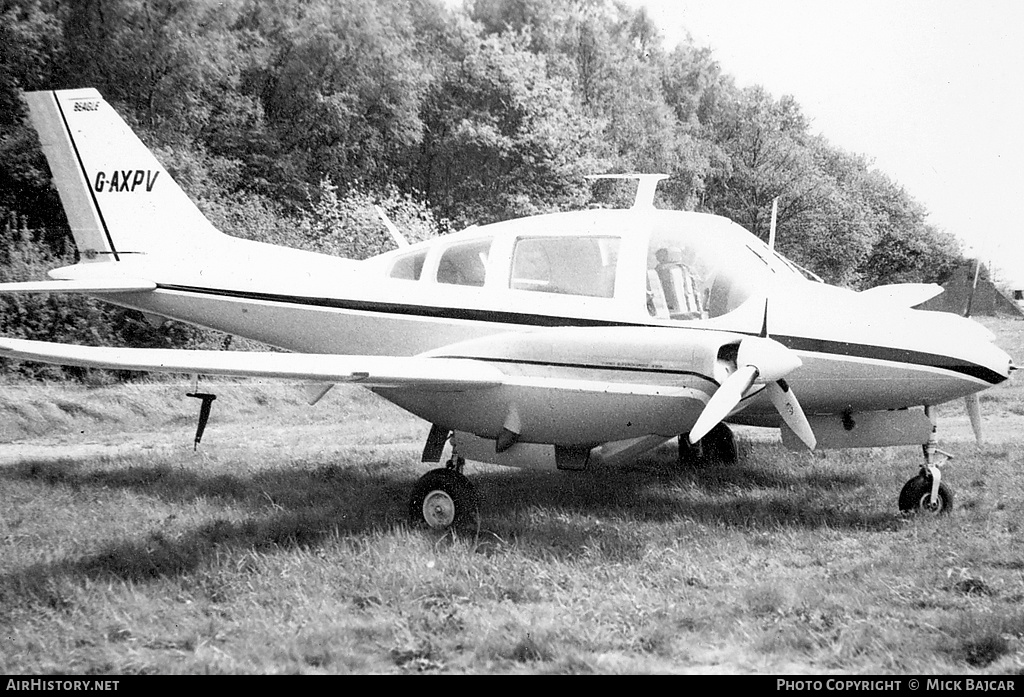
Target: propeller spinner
759,360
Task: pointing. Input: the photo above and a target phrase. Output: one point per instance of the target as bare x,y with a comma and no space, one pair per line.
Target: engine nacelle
522,455
866,429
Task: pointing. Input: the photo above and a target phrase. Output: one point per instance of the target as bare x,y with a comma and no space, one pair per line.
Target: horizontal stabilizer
903,294
437,374
88,286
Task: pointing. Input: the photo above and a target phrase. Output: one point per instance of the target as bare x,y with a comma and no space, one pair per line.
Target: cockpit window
567,265
694,274
806,273
409,267
675,289
464,264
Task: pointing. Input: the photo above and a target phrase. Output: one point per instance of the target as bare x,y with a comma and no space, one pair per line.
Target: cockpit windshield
695,272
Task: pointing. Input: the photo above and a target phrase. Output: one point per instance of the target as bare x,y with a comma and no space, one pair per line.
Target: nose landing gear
927,493
918,495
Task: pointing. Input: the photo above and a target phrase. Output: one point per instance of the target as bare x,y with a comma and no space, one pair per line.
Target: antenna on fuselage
775,216
395,234
647,185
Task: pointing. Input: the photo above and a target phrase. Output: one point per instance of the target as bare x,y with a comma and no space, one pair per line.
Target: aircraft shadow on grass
302,507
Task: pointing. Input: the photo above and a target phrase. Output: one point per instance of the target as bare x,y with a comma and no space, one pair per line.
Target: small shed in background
988,300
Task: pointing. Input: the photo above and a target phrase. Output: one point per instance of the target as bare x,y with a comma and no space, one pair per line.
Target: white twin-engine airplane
567,341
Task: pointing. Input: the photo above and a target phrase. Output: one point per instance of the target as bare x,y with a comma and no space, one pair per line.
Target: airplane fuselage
605,360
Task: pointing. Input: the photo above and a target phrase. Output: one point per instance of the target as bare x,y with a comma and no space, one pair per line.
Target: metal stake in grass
204,411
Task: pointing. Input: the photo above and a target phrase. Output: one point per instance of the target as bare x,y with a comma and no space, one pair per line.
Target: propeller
974,287
972,401
973,404
786,404
759,360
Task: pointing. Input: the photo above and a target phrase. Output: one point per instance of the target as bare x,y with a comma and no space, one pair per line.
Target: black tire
718,447
721,445
453,496
689,455
916,497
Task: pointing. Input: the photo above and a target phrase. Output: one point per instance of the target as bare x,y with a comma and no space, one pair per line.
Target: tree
167,62
31,50
503,138
829,228
349,225
31,46
765,142
342,88
906,249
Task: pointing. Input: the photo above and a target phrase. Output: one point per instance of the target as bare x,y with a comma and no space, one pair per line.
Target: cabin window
567,265
409,267
464,264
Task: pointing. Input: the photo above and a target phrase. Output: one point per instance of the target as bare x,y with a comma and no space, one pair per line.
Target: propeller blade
974,414
789,409
974,287
723,401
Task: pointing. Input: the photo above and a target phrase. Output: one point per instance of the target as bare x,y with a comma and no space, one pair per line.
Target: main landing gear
444,498
718,447
927,493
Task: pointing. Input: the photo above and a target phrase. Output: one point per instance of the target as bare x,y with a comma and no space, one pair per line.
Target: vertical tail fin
118,198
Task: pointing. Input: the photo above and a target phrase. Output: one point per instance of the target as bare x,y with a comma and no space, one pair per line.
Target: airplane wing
903,294
438,374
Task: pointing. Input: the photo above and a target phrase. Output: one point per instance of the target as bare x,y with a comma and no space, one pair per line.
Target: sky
931,90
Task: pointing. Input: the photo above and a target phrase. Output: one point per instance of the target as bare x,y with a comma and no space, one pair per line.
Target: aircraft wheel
718,447
916,497
442,498
721,445
691,455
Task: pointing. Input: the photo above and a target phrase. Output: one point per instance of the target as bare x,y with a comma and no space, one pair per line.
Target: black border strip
895,355
822,346
85,175
586,366
470,314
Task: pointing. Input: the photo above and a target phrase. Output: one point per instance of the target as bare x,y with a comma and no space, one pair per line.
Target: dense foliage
288,121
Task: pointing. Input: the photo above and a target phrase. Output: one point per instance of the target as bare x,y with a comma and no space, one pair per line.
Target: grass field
280,547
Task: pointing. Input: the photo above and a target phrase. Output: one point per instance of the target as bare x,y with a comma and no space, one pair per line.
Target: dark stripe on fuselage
888,353
822,346
587,366
460,313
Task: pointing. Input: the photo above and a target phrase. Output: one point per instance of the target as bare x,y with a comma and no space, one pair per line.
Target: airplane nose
975,345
